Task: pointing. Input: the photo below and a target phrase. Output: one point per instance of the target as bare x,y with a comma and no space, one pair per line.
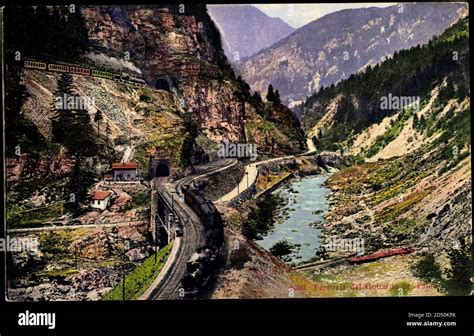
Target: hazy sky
298,15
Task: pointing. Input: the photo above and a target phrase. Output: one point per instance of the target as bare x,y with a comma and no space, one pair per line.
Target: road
168,283
251,173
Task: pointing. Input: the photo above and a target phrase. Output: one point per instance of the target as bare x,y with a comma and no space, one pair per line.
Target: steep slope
409,180
191,102
339,44
246,30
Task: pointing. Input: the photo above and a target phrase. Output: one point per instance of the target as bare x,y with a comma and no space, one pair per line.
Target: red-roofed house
100,199
125,171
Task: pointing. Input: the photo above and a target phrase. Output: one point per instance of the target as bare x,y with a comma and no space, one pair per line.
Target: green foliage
273,96
282,248
413,72
260,219
53,243
18,217
137,282
72,127
46,32
458,280
428,269
20,133
80,181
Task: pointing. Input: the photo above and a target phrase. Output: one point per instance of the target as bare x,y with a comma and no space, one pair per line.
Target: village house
101,200
125,171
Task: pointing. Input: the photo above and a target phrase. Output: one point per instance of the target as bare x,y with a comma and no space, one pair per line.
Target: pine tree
415,121
270,94
72,126
77,188
277,98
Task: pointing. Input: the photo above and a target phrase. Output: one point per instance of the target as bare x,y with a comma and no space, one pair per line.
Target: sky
297,15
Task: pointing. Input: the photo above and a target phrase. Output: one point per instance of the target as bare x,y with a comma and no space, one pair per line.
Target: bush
428,269
281,248
260,219
458,280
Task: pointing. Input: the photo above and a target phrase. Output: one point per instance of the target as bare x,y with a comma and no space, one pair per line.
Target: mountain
409,183
191,102
246,30
341,43
190,84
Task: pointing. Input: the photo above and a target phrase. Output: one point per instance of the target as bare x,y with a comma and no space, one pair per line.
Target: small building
100,199
125,171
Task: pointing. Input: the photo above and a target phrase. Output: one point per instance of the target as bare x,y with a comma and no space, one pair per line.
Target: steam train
200,266
121,77
379,255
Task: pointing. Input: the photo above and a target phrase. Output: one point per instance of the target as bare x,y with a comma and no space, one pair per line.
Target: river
306,204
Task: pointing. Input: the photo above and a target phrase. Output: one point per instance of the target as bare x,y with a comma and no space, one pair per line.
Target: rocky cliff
178,49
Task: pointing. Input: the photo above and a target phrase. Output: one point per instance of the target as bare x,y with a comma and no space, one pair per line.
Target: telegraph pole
125,248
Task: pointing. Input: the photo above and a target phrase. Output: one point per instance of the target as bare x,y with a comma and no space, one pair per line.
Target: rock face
339,44
180,53
25,167
246,30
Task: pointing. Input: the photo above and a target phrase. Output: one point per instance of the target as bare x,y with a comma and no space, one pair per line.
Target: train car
58,67
379,255
202,263
35,65
102,74
80,71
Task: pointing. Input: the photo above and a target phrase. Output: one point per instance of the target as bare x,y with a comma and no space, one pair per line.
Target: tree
71,124
415,120
459,276
77,189
281,248
97,118
270,94
277,98
428,269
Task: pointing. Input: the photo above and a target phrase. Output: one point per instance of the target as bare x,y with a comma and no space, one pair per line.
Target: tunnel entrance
162,170
163,84
159,167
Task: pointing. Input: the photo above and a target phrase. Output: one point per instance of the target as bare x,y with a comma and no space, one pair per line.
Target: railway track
169,287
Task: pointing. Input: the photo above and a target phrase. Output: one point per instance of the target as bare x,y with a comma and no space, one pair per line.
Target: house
100,199
125,171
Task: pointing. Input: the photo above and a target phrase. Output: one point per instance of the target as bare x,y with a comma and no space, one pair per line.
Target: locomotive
122,77
200,266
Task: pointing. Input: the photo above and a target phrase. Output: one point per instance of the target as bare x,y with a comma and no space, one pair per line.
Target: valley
141,193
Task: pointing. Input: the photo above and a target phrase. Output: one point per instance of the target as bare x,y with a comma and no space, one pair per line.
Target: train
84,71
379,255
200,267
